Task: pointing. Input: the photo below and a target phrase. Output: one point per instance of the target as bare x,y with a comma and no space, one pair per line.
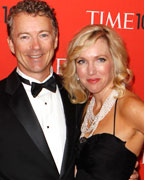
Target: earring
78,79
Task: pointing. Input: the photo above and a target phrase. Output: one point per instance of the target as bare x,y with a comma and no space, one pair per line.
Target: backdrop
126,16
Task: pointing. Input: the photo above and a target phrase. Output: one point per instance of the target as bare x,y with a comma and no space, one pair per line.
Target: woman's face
95,67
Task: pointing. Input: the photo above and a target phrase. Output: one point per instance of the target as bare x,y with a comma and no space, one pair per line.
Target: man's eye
24,37
44,35
80,61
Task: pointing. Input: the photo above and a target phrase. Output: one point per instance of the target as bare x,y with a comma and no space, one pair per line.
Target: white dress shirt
49,110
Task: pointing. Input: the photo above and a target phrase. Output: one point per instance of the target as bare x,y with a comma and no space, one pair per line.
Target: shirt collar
32,79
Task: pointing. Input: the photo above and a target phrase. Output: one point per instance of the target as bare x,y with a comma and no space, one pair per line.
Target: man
37,132
38,127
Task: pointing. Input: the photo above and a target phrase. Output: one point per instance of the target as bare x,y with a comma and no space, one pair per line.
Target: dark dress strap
115,117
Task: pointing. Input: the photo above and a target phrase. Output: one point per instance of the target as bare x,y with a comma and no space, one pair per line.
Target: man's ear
11,45
56,42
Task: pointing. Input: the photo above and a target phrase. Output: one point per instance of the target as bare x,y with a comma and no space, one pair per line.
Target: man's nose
35,44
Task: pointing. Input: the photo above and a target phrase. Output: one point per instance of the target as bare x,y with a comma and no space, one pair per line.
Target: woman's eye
101,59
81,61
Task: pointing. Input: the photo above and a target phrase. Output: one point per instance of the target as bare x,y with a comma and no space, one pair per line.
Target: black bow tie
50,84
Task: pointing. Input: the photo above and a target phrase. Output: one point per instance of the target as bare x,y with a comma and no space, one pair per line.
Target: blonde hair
81,41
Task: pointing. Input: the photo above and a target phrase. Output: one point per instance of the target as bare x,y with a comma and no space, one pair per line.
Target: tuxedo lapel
24,112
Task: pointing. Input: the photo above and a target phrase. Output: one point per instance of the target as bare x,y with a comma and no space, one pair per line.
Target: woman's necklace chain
91,121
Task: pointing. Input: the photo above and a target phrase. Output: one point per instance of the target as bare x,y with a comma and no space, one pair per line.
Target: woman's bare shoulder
131,107
130,103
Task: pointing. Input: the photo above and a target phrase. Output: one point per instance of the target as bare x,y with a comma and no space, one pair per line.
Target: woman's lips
93,81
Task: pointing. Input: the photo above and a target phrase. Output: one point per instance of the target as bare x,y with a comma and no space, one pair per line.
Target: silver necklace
91,121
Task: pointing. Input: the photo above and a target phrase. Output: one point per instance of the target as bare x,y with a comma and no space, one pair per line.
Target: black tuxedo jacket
24,153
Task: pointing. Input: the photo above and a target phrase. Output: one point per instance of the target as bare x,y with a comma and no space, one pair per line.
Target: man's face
33,42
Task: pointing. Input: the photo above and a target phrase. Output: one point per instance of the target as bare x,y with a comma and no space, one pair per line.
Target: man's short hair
32,7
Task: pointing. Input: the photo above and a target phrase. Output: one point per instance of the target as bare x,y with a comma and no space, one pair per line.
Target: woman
112,129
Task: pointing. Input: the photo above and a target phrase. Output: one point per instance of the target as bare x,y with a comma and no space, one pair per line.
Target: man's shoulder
2,83
3,94
58,77
59,81
7,80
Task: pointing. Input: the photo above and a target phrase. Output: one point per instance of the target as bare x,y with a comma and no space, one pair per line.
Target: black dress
104,157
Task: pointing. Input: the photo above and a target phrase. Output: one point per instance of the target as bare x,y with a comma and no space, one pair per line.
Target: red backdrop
126,16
